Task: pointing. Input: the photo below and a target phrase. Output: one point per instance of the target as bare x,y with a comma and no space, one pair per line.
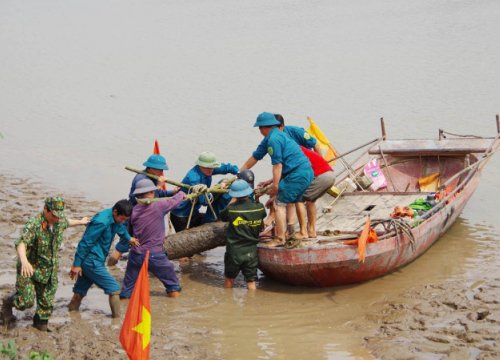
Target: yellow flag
327,149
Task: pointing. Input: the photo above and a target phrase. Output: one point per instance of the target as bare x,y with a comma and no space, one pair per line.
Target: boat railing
472,171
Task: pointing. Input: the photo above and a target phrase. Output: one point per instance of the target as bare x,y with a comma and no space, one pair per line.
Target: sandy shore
452,320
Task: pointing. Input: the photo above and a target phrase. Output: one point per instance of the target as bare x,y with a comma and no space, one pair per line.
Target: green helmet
207,159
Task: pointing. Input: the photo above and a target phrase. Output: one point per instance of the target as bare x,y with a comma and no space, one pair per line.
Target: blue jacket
300,136
195,177
283,150
98,237
158,193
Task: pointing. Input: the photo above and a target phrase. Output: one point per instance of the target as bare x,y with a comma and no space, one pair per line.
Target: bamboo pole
353,150
153,200
171,182
387,167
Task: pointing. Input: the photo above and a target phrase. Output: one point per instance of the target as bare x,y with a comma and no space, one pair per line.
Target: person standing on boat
304,139
148,222
292,172
38,263
323,180
299,135
155,165
201,177
88,266
245,221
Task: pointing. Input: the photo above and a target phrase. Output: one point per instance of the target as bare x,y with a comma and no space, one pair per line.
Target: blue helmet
156,162
266,119
240,188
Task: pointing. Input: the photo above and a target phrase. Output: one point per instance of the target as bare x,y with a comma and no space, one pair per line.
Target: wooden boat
328,261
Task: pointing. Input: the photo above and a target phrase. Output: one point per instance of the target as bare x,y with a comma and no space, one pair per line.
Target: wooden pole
382,126
353,150
171,182
498,124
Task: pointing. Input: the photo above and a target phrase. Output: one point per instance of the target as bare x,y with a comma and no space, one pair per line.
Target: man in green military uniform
38,263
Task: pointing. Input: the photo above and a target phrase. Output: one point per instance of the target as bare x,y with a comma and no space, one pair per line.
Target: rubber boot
114,304
40,324
7,314
76,301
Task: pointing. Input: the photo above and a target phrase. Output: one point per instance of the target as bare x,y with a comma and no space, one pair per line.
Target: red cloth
135,334
318,164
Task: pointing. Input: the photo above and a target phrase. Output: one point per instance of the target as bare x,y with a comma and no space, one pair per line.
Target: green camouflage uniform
42,246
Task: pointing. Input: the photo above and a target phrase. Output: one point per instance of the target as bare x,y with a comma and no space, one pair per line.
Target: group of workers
299,175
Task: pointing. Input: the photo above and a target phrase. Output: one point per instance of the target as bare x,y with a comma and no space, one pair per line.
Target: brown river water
86,87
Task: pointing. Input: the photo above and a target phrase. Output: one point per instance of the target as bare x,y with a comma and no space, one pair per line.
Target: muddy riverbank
452,319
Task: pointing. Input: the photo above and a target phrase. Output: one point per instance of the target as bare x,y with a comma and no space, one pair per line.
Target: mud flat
90,333
451,320
456,319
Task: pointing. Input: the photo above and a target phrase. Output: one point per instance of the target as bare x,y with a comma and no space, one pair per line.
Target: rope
210,206
197,192
397,226
193,203
459,135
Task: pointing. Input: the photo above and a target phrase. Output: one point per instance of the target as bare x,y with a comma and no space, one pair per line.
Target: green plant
40,356
9,352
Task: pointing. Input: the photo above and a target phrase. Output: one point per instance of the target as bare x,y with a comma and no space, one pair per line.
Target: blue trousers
158,265
94,272
293,186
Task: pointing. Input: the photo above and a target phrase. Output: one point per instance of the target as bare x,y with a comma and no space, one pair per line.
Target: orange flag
156,151
136,329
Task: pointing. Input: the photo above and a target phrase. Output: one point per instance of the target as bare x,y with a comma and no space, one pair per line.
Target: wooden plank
432,147
347,213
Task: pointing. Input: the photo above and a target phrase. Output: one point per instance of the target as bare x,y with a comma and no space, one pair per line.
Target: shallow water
86,87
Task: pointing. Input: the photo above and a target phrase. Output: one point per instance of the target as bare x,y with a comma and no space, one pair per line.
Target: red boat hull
329,265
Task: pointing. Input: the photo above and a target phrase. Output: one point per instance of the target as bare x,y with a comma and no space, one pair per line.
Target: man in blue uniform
88,266
299,135
155,164
302,138
201,176
292,172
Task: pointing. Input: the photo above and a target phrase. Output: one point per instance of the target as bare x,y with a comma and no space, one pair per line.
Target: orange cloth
368,235
135,334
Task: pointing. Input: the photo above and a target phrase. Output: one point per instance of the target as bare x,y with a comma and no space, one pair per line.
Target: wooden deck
349,212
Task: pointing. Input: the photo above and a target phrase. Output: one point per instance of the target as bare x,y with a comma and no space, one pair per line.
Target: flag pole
324,139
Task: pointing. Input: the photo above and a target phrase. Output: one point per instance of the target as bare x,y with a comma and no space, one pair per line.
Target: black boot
7,314
40,324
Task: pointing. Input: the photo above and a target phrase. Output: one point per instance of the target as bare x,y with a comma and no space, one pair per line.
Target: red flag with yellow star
136,329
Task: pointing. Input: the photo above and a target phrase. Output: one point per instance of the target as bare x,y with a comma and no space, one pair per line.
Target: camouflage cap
55,205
